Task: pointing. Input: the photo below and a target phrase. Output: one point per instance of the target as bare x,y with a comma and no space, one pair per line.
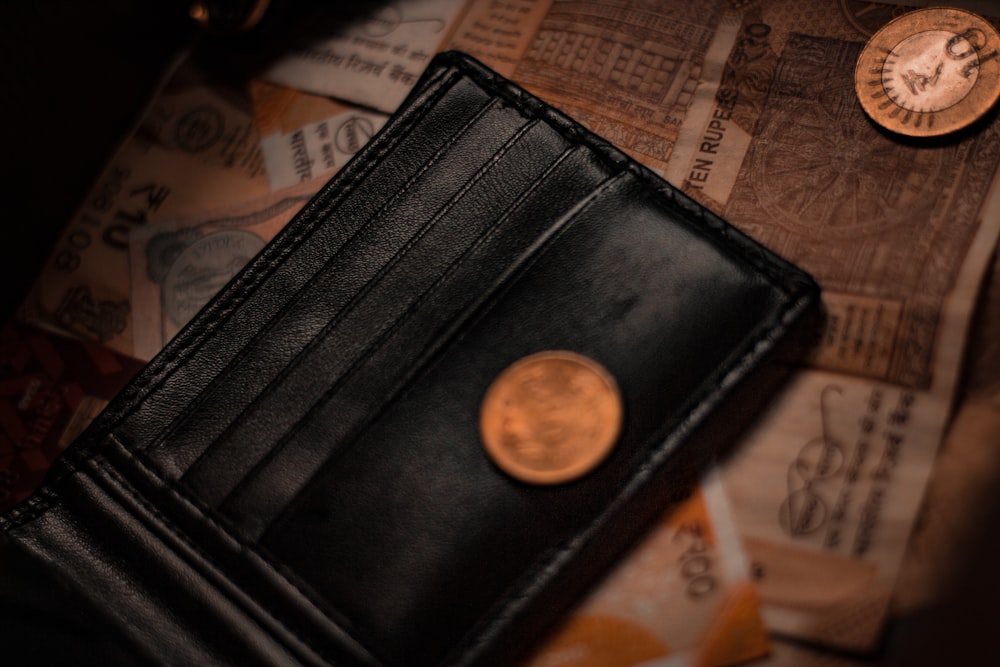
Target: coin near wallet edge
930,72
551,417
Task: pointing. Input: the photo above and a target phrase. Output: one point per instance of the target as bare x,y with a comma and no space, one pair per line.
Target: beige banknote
683,597
179,264
625,69
499,33
375,59
195,148
828,487
305,137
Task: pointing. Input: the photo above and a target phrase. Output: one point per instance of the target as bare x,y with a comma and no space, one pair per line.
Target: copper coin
551,417
930,72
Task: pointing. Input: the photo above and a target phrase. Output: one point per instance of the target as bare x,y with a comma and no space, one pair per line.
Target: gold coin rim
984,94
580,467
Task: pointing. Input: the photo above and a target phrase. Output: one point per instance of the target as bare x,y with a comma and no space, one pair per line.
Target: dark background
74,76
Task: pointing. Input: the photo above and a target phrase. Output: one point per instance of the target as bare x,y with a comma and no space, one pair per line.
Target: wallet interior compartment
175,598
414,517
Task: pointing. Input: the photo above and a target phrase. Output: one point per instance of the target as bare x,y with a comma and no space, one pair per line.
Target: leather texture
298,477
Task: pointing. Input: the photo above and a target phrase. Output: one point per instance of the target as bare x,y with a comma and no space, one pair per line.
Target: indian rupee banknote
682,597
981,7
374,59
195,148
305,137
178,264
899,234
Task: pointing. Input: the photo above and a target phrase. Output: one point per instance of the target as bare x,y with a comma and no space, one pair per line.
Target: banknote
499,33
828,486
627,70
791,654
195,148
373,60
683,596
305,137
179,264
51,387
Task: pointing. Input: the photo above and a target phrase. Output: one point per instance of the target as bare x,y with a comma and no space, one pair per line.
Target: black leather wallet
298,478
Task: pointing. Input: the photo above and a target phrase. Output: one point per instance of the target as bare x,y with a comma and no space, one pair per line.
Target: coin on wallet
930,72
551,417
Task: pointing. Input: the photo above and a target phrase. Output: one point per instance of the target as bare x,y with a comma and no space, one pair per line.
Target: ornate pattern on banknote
198,131
641,59
177,265
206,117
751,64
746,79
881,223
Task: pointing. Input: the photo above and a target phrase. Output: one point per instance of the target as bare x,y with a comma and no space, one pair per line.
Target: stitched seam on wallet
281,247
166,524
375,344
337,317
175,530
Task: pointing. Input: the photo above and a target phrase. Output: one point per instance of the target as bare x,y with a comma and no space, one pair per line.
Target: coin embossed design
551,417
930,72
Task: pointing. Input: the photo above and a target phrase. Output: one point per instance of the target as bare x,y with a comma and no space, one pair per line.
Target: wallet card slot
266,405
395,356
267,287
343,422
345,272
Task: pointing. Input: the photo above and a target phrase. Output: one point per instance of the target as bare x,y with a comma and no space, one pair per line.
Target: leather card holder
299,478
